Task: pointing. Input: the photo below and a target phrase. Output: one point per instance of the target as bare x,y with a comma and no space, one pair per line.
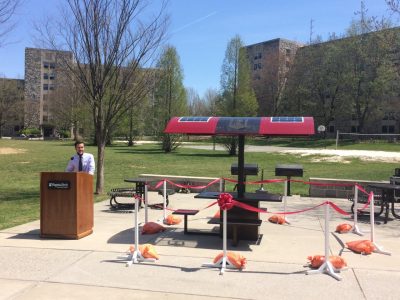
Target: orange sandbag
278,219
152,227
238,260
337,262
217,214
363,246
172,220
343,228
147,251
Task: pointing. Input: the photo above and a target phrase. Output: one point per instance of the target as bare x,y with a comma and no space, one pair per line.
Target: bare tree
111,45
7,10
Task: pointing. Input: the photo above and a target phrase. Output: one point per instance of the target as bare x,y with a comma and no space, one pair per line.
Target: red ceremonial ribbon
334,206
225,201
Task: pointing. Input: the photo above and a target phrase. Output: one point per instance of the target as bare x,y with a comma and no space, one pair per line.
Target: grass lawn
20,188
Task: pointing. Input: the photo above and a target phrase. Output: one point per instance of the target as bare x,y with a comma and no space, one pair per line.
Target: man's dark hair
78,142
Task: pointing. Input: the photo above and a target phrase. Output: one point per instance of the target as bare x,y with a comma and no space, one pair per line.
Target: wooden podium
66,204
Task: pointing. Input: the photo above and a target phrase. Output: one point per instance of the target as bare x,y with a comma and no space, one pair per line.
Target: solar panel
194,119
287,119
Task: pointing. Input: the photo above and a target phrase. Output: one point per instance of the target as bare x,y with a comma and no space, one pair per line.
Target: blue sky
201,29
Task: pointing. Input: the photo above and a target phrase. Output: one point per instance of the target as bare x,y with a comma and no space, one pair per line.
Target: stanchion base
137,257
223,263
326,268
379,249
357,230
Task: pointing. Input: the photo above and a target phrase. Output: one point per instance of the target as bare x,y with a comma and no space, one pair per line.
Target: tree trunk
100,167
130,141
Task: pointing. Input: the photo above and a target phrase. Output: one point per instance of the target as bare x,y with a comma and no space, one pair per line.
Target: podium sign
66,205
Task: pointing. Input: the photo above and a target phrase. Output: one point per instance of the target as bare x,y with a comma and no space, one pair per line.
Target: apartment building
270,63
43,72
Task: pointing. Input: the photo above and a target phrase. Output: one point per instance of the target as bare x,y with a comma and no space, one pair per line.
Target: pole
285,194
337,138
146,199
241,187
356,230
327,266
224,238
165,199
221,185
378,249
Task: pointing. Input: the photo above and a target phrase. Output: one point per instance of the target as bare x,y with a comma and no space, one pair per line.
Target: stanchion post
356,230
221,185
146,199
165,200
224,240
327,266
224,262
378,249
285,186
136,256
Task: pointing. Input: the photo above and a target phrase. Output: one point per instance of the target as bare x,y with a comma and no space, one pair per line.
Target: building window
45,65
388,129
48,56
52,65
257,56
331,128
255,67
45,118
45,76
288,52
354,129
45,87
259,66
51,87
52,76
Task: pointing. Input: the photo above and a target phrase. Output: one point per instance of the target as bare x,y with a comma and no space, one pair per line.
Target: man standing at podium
81,162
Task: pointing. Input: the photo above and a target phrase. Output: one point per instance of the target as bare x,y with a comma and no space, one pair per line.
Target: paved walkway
94,267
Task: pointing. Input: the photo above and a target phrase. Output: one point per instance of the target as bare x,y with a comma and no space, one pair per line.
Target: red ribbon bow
225,201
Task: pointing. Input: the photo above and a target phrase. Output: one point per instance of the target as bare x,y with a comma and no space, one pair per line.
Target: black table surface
136,180
247,196
385,186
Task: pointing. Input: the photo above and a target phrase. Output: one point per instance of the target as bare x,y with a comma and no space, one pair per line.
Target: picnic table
388,197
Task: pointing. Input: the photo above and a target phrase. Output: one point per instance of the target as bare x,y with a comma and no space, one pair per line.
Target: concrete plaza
94,267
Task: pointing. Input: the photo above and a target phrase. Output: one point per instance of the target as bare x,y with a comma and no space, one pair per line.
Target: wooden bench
190,212
235,223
